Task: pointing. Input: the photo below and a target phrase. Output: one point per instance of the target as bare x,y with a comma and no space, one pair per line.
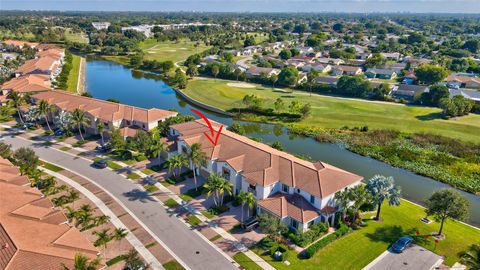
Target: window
312,199
298,190
184,149
285,188
310,223
293,223
225,173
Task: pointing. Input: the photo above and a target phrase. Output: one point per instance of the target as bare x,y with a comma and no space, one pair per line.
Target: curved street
189,248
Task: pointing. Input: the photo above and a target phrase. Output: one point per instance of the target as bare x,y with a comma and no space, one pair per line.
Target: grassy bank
169,50
360,247
332,112
72,81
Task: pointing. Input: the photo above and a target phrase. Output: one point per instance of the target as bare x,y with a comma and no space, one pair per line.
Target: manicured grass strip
65,148
133,176
150,188
173,265
171,203
185,197
148,171
115,260
193,220
246,262
208,214
214,238
333,112
51,167
152,244
112,165
360,247
48,143
73,75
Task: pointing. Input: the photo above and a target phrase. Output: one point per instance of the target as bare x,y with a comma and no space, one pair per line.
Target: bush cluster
341,231
304,238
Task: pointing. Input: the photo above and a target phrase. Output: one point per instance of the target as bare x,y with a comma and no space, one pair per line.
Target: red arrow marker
212,138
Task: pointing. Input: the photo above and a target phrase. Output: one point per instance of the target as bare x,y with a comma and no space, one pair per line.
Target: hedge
341,231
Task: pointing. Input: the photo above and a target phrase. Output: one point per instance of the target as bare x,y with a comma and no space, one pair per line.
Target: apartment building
299,192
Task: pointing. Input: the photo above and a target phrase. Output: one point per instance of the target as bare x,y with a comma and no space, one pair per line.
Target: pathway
134,241
81,77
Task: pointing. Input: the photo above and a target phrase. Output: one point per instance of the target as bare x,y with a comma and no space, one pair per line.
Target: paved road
194,251
413,258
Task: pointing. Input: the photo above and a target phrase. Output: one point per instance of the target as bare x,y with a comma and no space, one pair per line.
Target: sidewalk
134,241
235,243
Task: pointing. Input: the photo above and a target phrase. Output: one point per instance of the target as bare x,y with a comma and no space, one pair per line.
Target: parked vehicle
58,133
401,244
104,148
101,164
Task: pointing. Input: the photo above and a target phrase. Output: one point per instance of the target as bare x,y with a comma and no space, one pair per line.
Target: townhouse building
299,192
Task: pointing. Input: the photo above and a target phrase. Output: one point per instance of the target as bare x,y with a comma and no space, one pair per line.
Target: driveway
413,258
194,251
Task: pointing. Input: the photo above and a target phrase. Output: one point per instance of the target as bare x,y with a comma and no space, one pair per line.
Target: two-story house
128,119
299,192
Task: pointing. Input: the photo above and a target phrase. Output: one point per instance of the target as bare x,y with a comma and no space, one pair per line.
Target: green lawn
133,176
78,37
170,203
168,50
51,167
333,112
73,75
193,220
173,265
360,247
246,262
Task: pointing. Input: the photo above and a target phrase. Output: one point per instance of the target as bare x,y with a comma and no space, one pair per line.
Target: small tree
82,262
133,261
471,257
279,104
103,238
383,188
192,71
180,79
101,129
215,70
217,186
5,150
17,101
273,79
271,225
237,72
119,233
175,163
246,198
26,159
311,77
430,74
447,203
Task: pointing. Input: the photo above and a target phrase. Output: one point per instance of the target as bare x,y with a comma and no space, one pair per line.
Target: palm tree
471,258
70,213
45,108
80,119
197,158
119,234
157,148
133,261
17,101
101,220
103,237
342,200
217,186
73,196
383,188
101,129
83,216
359,195
242,199
83,263
176,162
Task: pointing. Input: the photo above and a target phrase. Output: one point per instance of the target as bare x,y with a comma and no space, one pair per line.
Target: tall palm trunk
242,211
441,226
101,136
46,120
20,115
80,131
378,211
195,178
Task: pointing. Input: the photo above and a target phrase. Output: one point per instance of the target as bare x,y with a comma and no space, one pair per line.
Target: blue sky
446,6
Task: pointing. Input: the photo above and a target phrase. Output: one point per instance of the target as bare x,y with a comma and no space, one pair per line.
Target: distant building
454,81
391,56
408,92
346,70
100,25
319,67
20,43
468,94
257,71
332,81
380,73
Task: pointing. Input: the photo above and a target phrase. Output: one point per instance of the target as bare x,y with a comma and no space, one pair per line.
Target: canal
105,79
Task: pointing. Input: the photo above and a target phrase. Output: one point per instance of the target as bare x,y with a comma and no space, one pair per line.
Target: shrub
304,238
311,250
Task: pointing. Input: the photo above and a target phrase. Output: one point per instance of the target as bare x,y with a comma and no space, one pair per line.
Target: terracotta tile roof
291,205
128,131
264,165
43,64
347,68
11,174
20,43
28,83
105,110
254,70
56,53
462,79
36,233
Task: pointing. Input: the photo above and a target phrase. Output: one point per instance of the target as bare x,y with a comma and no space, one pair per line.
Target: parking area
413,258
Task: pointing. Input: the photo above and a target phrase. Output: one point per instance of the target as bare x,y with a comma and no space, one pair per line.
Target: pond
105,79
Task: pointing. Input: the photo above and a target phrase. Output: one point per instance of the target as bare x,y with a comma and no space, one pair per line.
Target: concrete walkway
144,252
